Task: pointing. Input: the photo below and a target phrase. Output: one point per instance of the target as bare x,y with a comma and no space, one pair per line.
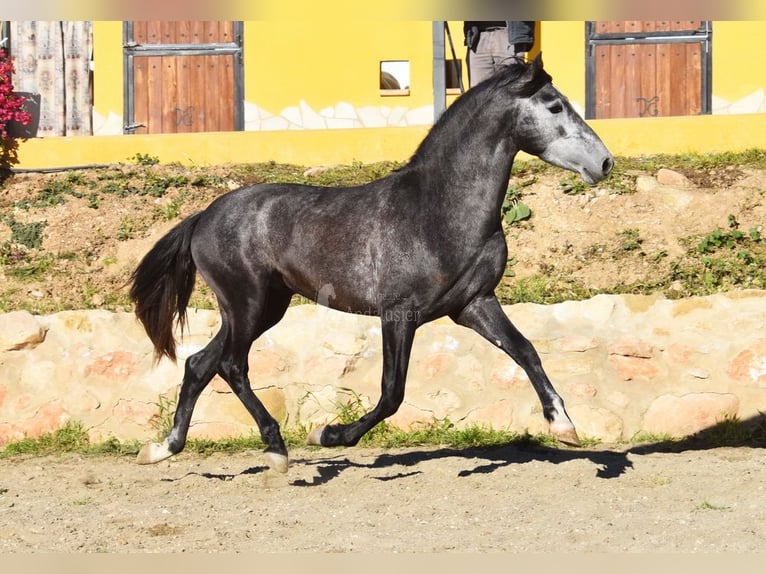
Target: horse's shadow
608,463
479,460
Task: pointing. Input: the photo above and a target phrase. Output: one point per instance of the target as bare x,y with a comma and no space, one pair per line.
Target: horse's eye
556,108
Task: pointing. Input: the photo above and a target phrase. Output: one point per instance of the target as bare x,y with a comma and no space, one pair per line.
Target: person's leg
502,51
481,61
492,52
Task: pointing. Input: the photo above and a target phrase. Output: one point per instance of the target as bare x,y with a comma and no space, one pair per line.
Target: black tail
162,284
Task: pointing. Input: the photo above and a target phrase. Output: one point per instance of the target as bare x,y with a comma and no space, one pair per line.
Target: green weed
648,437
33,270
728,431
72,437
145,159
126,230
546,288
27,234
630,240
172,209
162,421
573,185
156,185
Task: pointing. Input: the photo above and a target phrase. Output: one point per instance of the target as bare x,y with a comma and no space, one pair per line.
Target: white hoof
153,452
566,433
315,437
277,462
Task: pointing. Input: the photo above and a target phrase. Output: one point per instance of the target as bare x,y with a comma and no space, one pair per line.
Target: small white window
395,78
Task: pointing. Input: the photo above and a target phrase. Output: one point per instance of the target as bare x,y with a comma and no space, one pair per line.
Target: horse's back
309,236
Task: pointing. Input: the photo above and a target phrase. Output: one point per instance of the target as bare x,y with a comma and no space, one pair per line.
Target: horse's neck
470,171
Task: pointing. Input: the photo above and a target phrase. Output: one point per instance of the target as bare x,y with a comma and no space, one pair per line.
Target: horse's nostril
607,166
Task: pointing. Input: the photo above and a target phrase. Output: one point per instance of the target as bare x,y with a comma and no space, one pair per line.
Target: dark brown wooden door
648,68
183,76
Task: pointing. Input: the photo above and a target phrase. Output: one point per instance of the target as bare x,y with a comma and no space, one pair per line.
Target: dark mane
511,74
517,80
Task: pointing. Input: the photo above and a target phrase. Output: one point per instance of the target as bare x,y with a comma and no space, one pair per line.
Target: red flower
11,104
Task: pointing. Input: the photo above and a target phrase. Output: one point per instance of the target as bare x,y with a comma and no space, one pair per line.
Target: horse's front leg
398,328
485,316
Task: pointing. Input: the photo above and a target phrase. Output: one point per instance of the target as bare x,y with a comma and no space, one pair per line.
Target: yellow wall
563,48
739,59
323,64
108,69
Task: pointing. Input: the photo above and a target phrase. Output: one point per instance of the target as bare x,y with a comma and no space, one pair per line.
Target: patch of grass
531,167
722,260
546,288
753,158
157,185
172,209
729,431
126,230
162,421
355,173
630,240
34,269
620,182
572,184
27,234
642,437
721,239
145,159
72,437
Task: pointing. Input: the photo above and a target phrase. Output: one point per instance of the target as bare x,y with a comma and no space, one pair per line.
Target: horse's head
546,125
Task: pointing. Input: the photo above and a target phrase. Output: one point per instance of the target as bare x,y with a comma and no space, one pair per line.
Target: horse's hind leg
199,369
485,316
248,323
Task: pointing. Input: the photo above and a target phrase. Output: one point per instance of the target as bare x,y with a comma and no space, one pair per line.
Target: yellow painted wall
739,58
563,48
324,64
108,76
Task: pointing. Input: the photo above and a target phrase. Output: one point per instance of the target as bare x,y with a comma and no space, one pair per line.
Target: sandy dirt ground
607,499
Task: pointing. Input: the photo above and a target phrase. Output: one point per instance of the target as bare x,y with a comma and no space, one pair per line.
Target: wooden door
643,68
183,76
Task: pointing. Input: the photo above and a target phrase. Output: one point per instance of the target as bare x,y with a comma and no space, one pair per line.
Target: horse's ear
534,69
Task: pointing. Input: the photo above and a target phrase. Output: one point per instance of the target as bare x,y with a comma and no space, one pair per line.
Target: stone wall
623,364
